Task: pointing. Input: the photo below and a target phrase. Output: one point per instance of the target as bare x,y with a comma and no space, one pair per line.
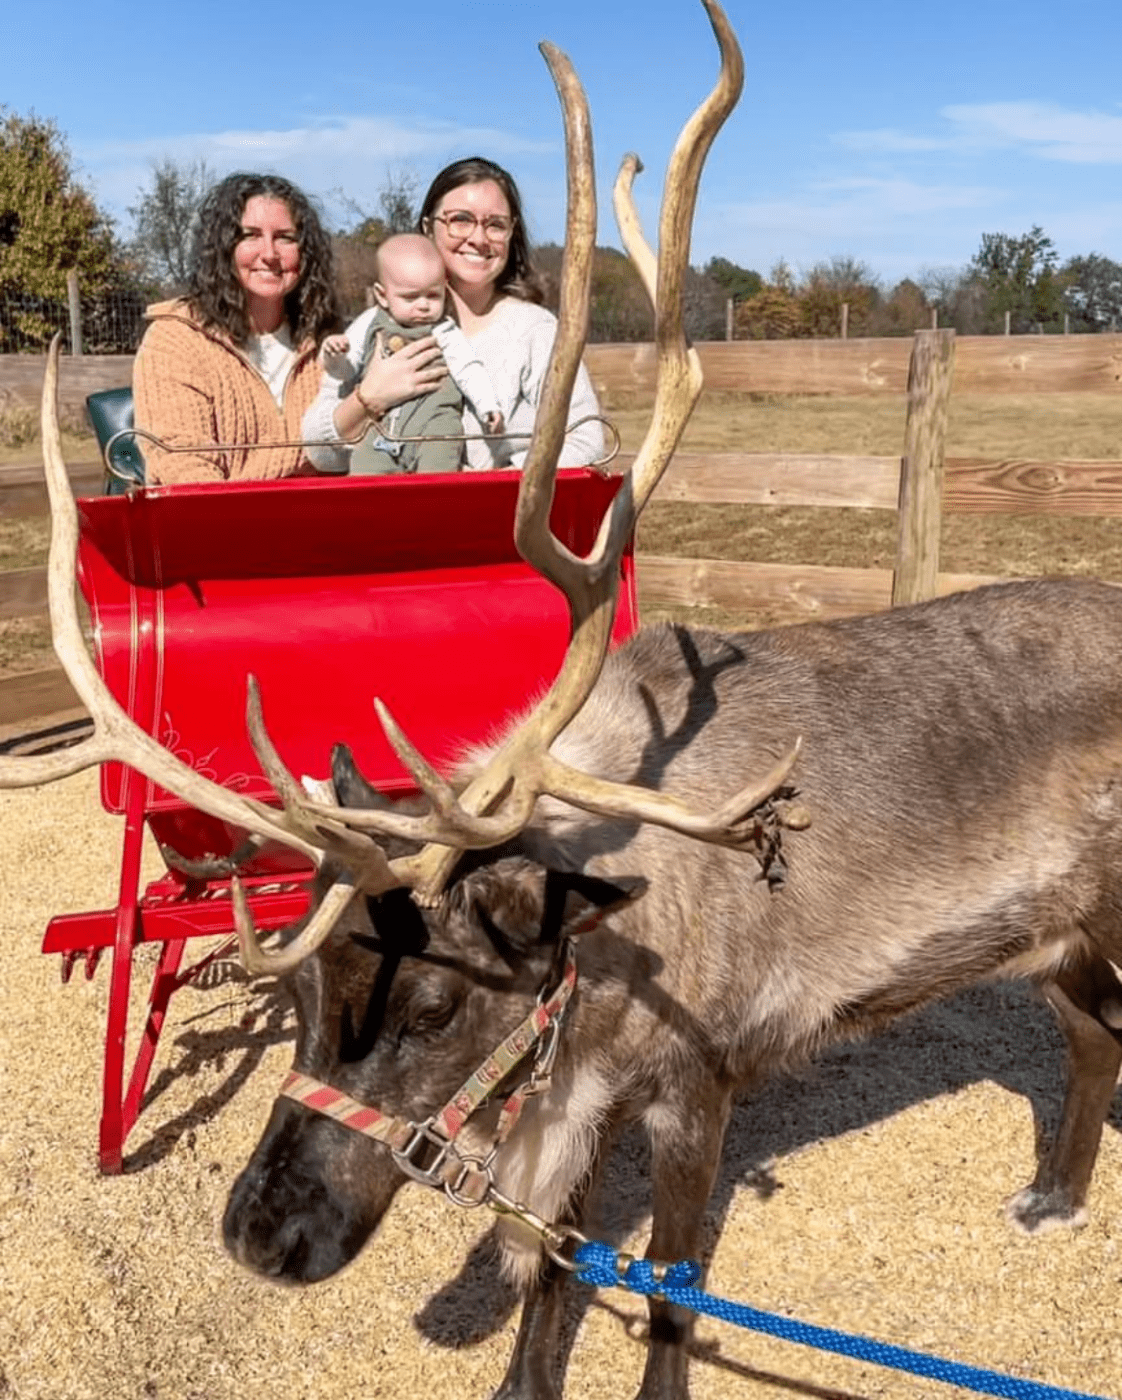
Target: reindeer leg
537,1363
685,1153
532,1373
1079,996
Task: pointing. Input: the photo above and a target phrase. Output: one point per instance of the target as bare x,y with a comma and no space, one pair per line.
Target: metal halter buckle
424,1136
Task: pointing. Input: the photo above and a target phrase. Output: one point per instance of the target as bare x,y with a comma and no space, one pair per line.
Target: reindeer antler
117,737
500,800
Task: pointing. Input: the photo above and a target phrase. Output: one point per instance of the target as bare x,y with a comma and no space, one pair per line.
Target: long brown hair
518,278
214,290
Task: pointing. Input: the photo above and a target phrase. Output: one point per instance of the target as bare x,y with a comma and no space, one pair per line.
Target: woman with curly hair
233,361
473,214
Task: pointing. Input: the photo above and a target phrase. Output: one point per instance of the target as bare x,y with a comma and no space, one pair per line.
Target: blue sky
893,134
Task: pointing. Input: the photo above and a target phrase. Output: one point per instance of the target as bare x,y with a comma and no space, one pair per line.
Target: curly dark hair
519,277
214,290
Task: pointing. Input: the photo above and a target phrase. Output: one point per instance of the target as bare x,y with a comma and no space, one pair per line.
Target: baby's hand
493,423
333,357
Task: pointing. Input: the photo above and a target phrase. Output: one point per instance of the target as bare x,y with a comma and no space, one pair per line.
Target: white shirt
514,347
272,356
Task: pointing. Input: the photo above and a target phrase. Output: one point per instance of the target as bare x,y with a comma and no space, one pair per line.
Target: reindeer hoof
1034,1212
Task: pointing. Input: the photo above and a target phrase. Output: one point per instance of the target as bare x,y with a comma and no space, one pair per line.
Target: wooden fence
919,484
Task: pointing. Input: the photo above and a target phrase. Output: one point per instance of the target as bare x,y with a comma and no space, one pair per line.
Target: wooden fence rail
919,484
984,364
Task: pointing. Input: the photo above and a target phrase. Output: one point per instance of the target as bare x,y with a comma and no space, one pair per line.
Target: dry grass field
865,1194
998,426
1005,426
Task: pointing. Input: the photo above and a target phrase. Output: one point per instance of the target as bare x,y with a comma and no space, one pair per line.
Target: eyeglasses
460,224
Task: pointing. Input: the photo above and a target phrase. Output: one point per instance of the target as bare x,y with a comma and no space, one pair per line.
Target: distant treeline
50,225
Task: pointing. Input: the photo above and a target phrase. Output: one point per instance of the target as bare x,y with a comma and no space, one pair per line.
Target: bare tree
165,221
397,201
355,247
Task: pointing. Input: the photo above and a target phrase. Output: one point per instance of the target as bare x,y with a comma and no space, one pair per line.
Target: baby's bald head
409,255
410,283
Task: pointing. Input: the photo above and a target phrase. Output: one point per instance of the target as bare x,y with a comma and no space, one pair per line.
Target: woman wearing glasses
473,214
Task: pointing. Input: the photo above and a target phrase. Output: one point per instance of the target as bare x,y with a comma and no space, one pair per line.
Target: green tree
736,282
1093,292
165,217
1018,276
49,223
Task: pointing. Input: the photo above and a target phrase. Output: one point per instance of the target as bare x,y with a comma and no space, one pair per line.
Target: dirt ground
865,1196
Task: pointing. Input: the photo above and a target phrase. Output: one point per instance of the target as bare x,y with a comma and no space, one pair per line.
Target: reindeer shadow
999,1032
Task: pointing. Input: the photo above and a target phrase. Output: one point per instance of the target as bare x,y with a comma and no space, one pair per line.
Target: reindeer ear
522,904
351,788
576,903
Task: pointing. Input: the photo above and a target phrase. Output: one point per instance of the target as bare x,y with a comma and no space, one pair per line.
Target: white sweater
514,347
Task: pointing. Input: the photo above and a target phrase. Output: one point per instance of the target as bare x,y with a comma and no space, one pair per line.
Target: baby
410,294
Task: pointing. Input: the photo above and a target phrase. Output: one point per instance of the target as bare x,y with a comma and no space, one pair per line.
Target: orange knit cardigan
193,385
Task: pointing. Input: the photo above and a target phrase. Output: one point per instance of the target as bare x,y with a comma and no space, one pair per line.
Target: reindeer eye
432,1018
428,1016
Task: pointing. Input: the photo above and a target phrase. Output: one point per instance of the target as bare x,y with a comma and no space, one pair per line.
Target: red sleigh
330,592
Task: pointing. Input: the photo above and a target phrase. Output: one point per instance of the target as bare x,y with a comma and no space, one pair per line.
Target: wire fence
112,322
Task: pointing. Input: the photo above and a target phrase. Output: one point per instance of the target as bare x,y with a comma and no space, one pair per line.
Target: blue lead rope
600,1266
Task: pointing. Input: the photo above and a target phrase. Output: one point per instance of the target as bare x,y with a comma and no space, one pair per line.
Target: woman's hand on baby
416,369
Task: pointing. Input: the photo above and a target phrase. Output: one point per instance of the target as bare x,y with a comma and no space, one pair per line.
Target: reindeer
565,937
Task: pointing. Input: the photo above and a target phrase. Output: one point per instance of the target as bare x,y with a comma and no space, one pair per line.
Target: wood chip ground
866,1195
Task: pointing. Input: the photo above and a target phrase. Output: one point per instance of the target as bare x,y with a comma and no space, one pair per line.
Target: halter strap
466,1179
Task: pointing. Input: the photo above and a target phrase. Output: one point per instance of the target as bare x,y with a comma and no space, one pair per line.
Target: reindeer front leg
534,1366
686,1146
1056,1197
536,1362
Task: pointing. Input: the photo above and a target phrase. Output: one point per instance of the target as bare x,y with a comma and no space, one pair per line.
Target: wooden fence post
920,504
75,312
729,318
845,320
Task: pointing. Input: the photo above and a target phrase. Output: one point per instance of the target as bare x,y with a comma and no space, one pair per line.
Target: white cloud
1093,138
1041,128
848,212
347,153
873,198
887,139
896,226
